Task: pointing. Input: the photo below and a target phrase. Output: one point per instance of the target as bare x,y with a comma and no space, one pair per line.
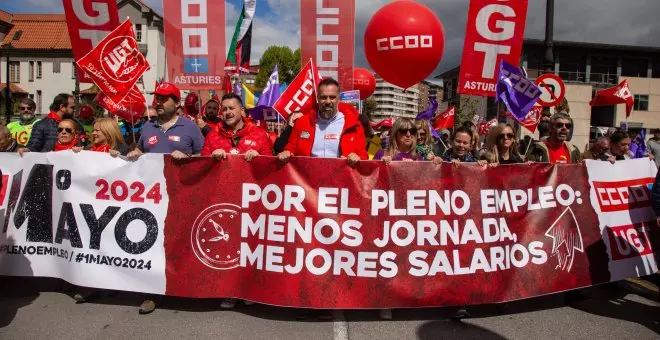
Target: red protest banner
328,37
495,32
195,42
116,64
89,22
485,127
130,108
301,93
323,236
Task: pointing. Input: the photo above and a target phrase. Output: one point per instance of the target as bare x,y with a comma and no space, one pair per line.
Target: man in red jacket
332,132
236,134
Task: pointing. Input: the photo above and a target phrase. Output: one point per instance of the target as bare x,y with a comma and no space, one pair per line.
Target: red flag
116,64
130,108
226,84
89,22
327,36
532,119
619,94
195,43
445,120
486,126
388,122
301,93
494,33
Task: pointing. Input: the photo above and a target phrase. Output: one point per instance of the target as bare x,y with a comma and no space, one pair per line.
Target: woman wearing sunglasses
502,146
403,144
106,137
68,135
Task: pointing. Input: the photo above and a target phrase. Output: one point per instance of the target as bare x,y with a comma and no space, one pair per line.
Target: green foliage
288,61
466,111
369,106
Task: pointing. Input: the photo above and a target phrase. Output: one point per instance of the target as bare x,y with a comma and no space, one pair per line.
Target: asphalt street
33,308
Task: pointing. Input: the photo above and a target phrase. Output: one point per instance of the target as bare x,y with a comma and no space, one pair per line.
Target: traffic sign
552,88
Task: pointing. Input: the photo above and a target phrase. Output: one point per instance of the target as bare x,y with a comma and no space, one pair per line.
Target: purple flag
517,93
264,109
428,114
430,110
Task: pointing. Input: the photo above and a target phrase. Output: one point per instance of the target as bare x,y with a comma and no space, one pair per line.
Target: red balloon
364,81
404,42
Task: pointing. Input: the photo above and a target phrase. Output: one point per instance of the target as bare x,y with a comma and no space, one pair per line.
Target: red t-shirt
558,153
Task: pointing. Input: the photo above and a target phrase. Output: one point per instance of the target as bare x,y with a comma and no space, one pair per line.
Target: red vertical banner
195,42
89,21
495,31
327,33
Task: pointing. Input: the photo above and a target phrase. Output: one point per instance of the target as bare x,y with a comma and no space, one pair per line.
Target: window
138,32
56,66
38,101
39,70
31,71
15,71
641,102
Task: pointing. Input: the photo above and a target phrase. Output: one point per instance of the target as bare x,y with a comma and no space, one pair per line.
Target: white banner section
87,218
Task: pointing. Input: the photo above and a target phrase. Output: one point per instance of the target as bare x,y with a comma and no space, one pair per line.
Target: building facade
393,101
41,60
586,68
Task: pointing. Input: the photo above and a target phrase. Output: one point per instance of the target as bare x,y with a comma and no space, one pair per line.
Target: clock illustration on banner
215,236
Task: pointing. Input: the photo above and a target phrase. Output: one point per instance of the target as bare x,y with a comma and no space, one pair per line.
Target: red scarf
54,116
64,147
100,148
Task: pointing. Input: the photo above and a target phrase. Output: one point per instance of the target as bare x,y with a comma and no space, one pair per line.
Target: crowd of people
333,130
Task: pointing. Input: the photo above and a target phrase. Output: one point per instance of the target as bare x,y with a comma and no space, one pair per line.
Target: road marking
339,325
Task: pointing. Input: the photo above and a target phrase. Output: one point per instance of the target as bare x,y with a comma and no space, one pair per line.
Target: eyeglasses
25,108
561,125
505,135
412,131
68,130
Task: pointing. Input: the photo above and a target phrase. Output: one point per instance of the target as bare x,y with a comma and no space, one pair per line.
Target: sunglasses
68,130
561,125
25,108
505,135
411,130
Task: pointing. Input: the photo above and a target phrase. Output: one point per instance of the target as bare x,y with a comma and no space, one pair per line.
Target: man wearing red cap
210,120
169,133
191,106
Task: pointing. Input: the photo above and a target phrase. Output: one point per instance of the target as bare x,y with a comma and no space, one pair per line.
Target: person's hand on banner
77,149
22,151
219,155
114,153
250,155
178,155
284,156
387,160
612,159
134,155
437,160
353,160
483,164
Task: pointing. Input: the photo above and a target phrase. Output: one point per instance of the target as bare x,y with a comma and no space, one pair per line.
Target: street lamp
8,103
549,28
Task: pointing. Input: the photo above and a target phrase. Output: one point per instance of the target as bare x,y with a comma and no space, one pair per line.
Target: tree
288,61
369,106
466,111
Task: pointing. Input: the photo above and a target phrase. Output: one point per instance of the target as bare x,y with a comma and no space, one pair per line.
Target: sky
277,22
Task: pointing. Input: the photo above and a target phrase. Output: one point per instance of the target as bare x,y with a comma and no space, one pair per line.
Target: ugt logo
121,58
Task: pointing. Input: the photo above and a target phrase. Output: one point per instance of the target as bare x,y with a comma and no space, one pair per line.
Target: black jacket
44,136
282,140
